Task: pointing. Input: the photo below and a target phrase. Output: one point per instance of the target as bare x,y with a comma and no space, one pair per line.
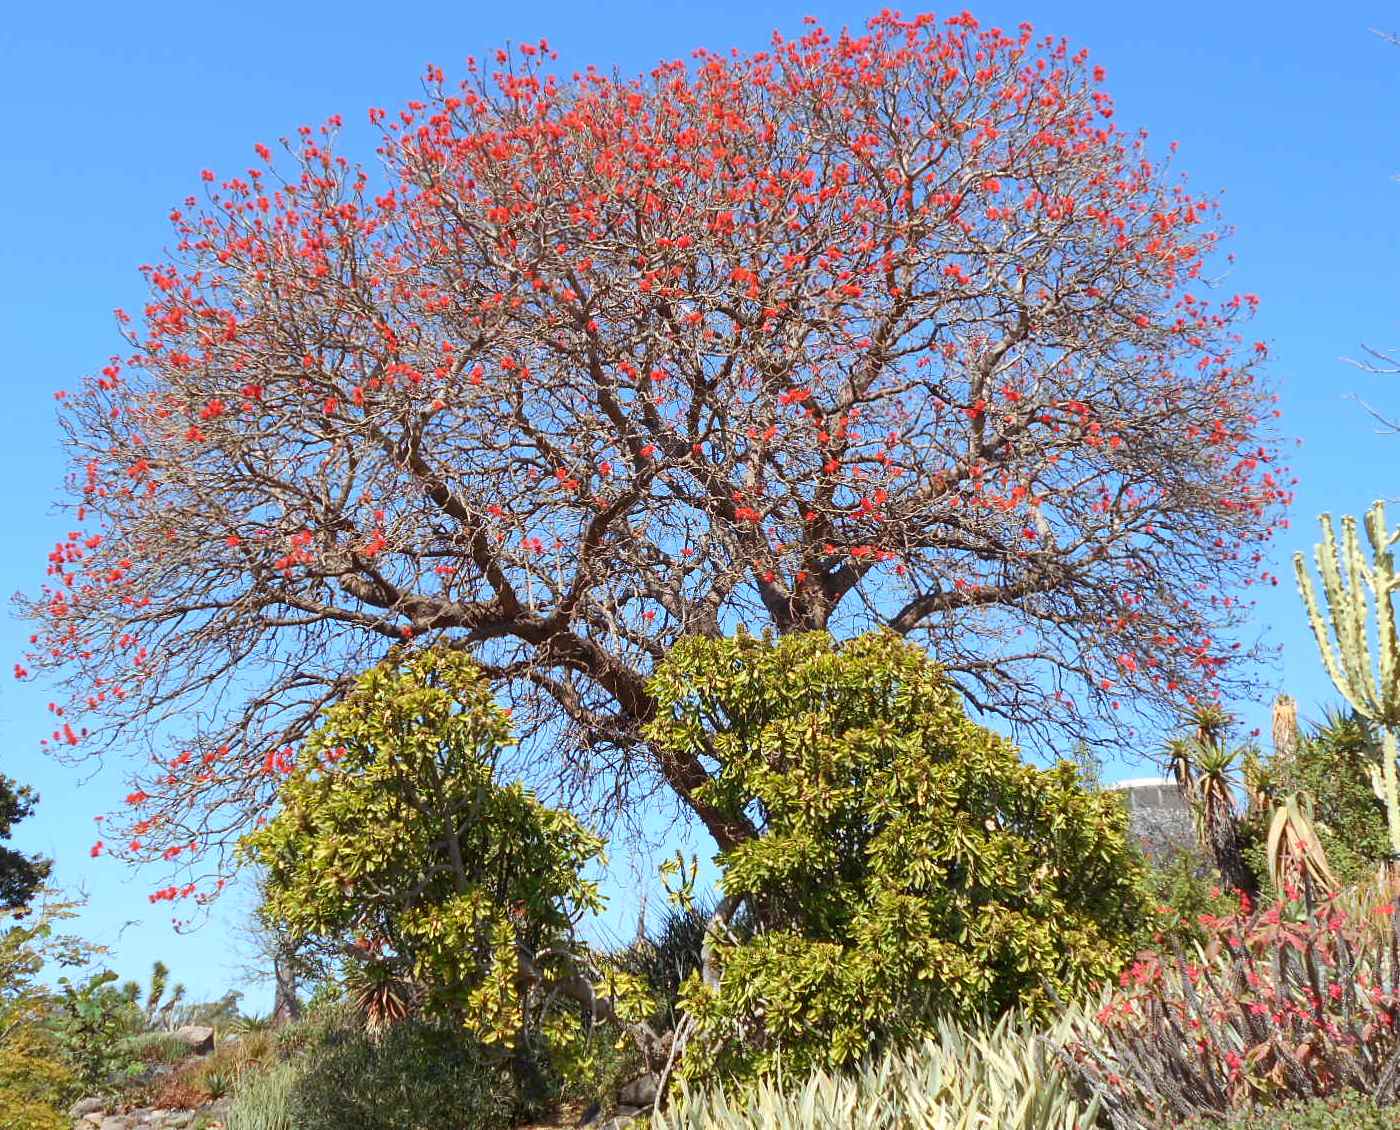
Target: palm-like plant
1206,770
380,997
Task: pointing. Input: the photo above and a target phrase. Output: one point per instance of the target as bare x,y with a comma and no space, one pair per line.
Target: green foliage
92,1022
668,955
416,1077
153,1048
1004,1076
1186,892
1331,765
20,875
395,835
35,1079
1347,1111
604,1059
263,1099
1285,1003
909,863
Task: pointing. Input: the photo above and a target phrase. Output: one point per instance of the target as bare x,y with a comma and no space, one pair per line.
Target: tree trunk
286,1008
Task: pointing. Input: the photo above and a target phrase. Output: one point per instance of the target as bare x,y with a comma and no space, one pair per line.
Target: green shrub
93,1020
1349,1111
1185,888
395,832
908,863
666,957
1003,1076
606,1058
263,1099
414,1077
34,1082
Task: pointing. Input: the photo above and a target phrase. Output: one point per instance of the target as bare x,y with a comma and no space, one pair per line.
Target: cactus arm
1383,585
1392,790
1319,625
1347,604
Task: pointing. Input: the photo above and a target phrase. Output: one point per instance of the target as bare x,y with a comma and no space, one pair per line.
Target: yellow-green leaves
908,863
396,839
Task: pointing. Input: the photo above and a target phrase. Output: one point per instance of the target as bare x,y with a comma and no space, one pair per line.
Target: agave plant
1295,854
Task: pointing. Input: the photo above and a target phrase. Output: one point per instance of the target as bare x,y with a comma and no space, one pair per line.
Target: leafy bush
1283,1004
668,955
415,1077
1186,890
395,837
907,863
263,1099
92,1024
605,1059
34,1081
1003,1076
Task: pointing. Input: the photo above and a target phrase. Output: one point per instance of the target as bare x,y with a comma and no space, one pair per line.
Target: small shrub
602,1061
1285,1003
153,1048
33,1082
1186,890
263,1099
92,1021
415,1077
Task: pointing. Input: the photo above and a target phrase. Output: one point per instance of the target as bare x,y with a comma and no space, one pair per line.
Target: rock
177,1119
86,1106
199,1038
640,1092
114,1122
625,1119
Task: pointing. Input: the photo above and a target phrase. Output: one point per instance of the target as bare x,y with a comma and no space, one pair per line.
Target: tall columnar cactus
1346,577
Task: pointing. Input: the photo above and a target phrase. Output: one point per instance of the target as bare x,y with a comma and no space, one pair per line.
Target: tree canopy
20,875
893,328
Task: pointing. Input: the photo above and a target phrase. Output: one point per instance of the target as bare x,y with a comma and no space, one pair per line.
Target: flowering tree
890,329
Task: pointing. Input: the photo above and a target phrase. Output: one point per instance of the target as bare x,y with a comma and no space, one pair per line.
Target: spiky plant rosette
1288,1001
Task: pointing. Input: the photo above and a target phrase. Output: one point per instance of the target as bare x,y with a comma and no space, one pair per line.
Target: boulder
640,1092
91,1105
199,1038
626,1118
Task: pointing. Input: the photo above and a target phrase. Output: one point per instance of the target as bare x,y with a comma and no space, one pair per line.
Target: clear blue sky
114,109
